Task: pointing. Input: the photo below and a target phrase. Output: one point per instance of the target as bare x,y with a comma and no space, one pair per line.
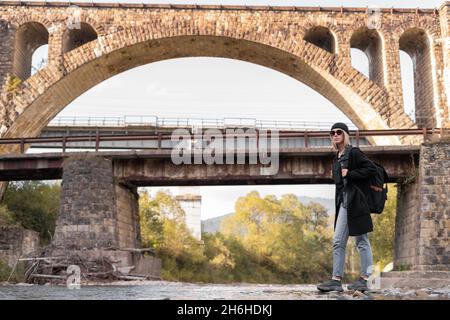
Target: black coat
360,168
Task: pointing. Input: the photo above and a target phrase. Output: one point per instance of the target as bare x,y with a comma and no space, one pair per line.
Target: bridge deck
154,167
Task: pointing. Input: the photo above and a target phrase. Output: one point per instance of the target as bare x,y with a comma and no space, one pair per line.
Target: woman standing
351,172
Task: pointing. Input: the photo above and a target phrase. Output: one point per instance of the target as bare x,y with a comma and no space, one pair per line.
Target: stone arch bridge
88,43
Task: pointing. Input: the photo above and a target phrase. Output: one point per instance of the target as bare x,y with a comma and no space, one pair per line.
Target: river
165,290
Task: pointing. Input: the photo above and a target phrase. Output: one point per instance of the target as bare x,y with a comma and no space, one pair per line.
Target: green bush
34,205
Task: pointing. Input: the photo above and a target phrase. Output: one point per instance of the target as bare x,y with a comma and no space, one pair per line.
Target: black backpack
378,190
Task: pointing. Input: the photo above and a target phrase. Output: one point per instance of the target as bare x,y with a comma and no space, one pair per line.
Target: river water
165,290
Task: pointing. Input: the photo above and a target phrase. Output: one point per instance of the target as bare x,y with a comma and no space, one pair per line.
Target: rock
410,293
391,292
422,293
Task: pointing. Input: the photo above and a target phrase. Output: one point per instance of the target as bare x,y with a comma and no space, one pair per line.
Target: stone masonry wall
127,216
406,227
6,50
423,217
16,242
95,212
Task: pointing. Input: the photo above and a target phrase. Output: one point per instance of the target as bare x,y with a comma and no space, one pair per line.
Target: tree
164,229
34,205
6,216
382,239
284,234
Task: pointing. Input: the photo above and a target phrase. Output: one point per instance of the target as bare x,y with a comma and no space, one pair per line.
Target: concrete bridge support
422,230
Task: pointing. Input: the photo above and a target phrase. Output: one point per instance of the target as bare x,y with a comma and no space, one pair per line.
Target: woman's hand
344,172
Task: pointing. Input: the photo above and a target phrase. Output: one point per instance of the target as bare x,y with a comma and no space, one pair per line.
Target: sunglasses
338,132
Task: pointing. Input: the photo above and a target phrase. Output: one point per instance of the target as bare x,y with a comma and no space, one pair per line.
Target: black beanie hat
340,125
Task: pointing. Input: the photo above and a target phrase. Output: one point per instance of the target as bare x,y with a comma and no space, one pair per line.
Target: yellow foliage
12,82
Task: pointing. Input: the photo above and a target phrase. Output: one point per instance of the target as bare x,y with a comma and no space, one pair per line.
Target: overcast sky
217,88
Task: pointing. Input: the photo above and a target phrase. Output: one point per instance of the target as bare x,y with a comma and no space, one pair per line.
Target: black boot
360,285
332,285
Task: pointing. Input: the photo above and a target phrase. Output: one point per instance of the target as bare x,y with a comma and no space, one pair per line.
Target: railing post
97,141
424,130
357,138
306,139
22,145
257,140
159,141
64,143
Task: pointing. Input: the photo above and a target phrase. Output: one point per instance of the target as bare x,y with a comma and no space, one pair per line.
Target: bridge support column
96,212
422,230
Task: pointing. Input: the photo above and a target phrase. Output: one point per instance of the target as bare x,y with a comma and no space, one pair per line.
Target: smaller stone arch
76,37
416,42
29,36
98,27
370,42
322,37
18,21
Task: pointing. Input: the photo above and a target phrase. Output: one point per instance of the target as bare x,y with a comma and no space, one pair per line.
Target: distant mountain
213,225
327,203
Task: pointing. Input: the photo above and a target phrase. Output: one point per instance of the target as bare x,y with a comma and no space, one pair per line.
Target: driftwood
40,258
45,268
50,276
13,270
31,270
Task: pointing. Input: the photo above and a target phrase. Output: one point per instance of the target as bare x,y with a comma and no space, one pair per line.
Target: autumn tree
34,205
382,239
283,233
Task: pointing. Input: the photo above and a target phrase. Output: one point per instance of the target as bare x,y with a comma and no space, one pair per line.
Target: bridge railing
158,138
180,122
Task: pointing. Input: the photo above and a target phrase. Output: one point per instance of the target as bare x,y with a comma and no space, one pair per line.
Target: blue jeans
340,243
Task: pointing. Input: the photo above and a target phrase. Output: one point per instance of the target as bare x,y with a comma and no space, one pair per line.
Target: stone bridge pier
98,215
422,226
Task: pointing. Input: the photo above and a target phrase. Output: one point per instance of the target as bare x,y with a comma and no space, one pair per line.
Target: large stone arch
28,109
